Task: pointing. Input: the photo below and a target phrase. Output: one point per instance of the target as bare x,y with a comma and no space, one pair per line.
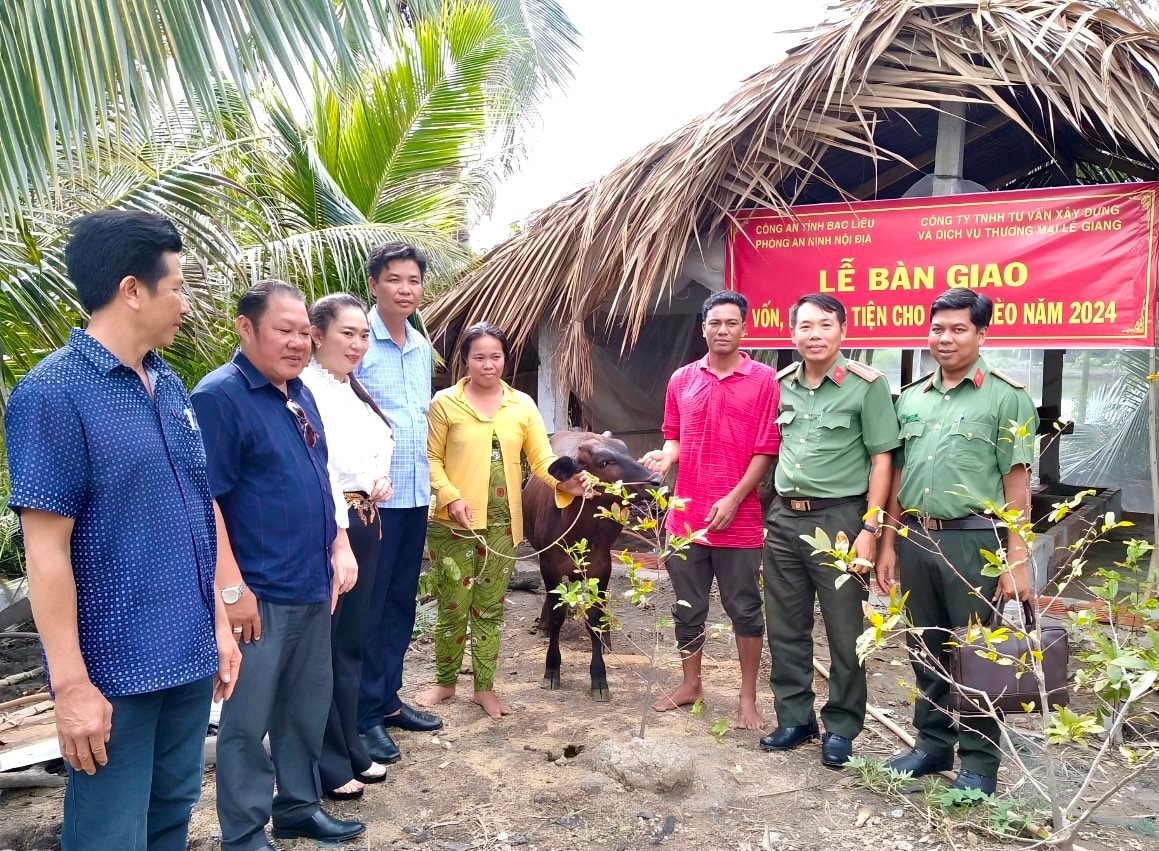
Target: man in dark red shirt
720,425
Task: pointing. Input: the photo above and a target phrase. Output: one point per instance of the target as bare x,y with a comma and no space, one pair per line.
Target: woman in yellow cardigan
478,429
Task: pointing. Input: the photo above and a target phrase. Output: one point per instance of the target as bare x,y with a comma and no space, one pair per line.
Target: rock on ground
646,764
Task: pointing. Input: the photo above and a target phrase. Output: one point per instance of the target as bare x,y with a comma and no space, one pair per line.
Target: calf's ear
563,468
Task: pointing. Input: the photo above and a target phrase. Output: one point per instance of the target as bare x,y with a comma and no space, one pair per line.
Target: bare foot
747,717
491,704
348,788
434,695
685,695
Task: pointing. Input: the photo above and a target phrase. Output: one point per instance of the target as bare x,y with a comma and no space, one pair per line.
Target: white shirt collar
324,375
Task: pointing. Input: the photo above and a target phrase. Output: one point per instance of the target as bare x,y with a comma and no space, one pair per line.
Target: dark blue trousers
390,617
142,799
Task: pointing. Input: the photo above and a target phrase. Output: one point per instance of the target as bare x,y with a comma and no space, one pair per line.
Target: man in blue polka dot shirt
109,478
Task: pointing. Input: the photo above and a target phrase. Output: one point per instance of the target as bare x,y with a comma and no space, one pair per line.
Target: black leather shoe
321,826
835,750
380,746
919,763
970,780
414,720
787,738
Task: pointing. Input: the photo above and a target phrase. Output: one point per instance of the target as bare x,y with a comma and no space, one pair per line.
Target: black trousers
343,755
391,617
735,570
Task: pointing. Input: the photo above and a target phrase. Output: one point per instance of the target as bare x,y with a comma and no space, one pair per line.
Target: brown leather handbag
1008,692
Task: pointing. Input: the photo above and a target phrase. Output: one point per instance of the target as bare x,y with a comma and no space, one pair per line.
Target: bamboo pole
18,717
29,779
19,678
23,701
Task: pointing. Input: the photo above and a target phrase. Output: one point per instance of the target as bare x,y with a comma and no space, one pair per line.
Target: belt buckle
799,504
932,524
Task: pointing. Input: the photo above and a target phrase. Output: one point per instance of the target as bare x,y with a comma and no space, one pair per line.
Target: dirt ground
18,655
481,784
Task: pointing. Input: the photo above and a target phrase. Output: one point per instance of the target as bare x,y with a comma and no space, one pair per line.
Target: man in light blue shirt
397,373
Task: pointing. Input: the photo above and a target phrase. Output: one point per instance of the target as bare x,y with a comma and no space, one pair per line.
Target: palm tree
75,68
550,42
395,149
399,155
168,165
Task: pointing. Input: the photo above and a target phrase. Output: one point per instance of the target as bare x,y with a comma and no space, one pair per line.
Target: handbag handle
1028,615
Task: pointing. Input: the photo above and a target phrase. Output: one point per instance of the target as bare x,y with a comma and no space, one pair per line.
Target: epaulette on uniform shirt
927,377
788,370
864,371
1018,385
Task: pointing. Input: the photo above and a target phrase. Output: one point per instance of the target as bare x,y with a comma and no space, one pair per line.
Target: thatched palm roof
850,113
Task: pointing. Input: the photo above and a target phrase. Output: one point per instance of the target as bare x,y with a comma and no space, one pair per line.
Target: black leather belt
933,524
806,503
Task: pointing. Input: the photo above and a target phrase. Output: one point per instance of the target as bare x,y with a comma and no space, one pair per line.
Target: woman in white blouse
359,439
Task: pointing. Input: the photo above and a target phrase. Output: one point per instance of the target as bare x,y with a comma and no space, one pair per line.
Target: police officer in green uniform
838,430
967,436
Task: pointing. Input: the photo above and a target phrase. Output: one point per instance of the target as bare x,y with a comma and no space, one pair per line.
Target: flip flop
333,795
370,778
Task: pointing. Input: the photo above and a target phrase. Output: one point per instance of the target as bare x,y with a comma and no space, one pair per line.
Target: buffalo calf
551,530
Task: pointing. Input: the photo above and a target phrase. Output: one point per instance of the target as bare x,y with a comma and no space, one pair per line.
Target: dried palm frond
1044,66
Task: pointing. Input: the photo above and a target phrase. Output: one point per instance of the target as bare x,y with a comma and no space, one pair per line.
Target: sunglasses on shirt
308,433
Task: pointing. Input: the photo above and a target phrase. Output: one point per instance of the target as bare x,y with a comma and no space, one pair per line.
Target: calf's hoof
551,680
601,695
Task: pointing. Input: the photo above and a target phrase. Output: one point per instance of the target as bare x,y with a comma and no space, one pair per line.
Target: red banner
1066,268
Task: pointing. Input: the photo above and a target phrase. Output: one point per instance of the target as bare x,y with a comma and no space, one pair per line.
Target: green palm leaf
394,144
334,258
139,168
549,43
553,38
396,153
426,110
72,68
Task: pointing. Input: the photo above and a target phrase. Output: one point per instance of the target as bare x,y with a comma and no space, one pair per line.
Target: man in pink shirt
720,425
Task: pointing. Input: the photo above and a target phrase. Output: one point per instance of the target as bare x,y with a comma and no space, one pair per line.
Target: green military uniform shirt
958,444
828,433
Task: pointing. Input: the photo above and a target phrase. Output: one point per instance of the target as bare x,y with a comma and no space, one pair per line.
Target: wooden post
907,367
949,160
1049,466
950,149
552,402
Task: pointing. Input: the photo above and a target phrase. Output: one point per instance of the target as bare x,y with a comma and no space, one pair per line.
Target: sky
645,68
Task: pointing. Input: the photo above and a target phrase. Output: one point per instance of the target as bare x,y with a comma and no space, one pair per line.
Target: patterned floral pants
471,577
471,582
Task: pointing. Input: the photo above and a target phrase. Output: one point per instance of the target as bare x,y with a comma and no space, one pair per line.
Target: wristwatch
230,594
873,530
